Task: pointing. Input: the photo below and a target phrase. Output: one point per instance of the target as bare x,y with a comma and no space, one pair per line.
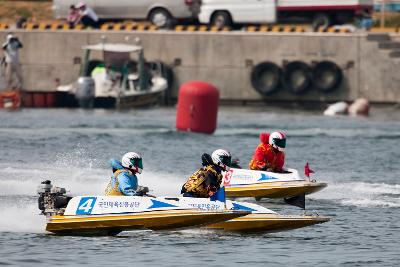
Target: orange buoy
197,107
10,99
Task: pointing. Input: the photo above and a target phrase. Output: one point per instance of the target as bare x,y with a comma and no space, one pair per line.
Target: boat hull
274,189
259,222
154,220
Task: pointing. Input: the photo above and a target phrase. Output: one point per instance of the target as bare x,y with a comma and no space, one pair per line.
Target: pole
382,13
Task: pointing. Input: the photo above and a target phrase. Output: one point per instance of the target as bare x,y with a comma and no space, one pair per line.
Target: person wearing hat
11,60
87,16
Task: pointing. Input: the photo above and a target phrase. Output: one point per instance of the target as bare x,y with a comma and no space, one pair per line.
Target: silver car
161,13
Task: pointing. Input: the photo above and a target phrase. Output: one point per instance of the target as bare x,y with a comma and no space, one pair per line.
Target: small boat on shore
263,184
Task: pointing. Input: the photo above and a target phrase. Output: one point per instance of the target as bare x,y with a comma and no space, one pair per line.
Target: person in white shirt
87,16
12,66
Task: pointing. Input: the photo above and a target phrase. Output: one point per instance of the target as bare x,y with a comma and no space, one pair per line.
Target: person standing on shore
11,60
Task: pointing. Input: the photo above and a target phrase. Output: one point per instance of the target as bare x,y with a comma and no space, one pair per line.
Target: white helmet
222,158
278,140
80,5
132,161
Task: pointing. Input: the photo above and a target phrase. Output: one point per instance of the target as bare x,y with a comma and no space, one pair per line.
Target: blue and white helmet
133,162
222,158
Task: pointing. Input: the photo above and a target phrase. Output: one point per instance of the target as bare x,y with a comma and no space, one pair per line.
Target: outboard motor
85,92
52,200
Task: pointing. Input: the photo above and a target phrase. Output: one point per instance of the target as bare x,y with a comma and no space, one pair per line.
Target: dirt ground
34,11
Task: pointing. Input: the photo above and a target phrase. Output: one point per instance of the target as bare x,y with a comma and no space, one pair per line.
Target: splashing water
362,194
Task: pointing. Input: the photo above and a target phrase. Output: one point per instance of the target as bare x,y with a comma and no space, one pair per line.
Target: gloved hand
262,167
212,189
142,190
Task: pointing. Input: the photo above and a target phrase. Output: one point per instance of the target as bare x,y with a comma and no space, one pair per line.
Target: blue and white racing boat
263,184
110,215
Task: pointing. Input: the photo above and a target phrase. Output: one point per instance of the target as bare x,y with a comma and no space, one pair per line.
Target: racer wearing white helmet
222,158
278,141
124,182
206,181
133,162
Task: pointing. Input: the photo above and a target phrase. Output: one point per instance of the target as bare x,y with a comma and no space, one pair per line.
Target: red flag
307,170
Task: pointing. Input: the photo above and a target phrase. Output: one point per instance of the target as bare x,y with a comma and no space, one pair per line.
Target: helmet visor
280,142
226,160
137,162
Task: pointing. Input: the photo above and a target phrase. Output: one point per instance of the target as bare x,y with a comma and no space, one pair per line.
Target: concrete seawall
224,59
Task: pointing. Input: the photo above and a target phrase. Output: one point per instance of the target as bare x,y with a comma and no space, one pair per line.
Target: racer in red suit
269,155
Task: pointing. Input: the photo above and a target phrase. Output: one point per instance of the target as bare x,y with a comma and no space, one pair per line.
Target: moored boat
115,80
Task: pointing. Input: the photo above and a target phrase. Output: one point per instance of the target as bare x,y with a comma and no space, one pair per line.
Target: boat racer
205,182
124,181
269,155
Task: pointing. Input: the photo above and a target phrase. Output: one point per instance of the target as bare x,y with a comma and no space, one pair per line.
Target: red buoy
197,107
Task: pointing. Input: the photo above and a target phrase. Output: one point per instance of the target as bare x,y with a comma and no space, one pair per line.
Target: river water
357,157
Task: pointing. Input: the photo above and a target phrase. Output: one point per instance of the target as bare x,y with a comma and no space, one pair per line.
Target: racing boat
263,184
261,219
109,215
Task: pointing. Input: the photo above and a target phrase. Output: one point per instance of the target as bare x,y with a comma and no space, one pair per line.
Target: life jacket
198,183
265,157
112,188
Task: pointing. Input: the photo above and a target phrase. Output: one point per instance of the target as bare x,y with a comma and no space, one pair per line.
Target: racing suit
204,182
266,158
123,182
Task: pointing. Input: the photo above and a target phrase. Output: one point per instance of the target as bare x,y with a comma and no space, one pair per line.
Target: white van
160,12
322,12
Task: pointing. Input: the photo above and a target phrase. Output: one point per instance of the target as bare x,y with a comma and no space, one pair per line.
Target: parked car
322,13
161,13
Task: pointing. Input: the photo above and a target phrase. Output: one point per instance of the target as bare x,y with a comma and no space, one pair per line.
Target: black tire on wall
297,77
327,76
266,77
